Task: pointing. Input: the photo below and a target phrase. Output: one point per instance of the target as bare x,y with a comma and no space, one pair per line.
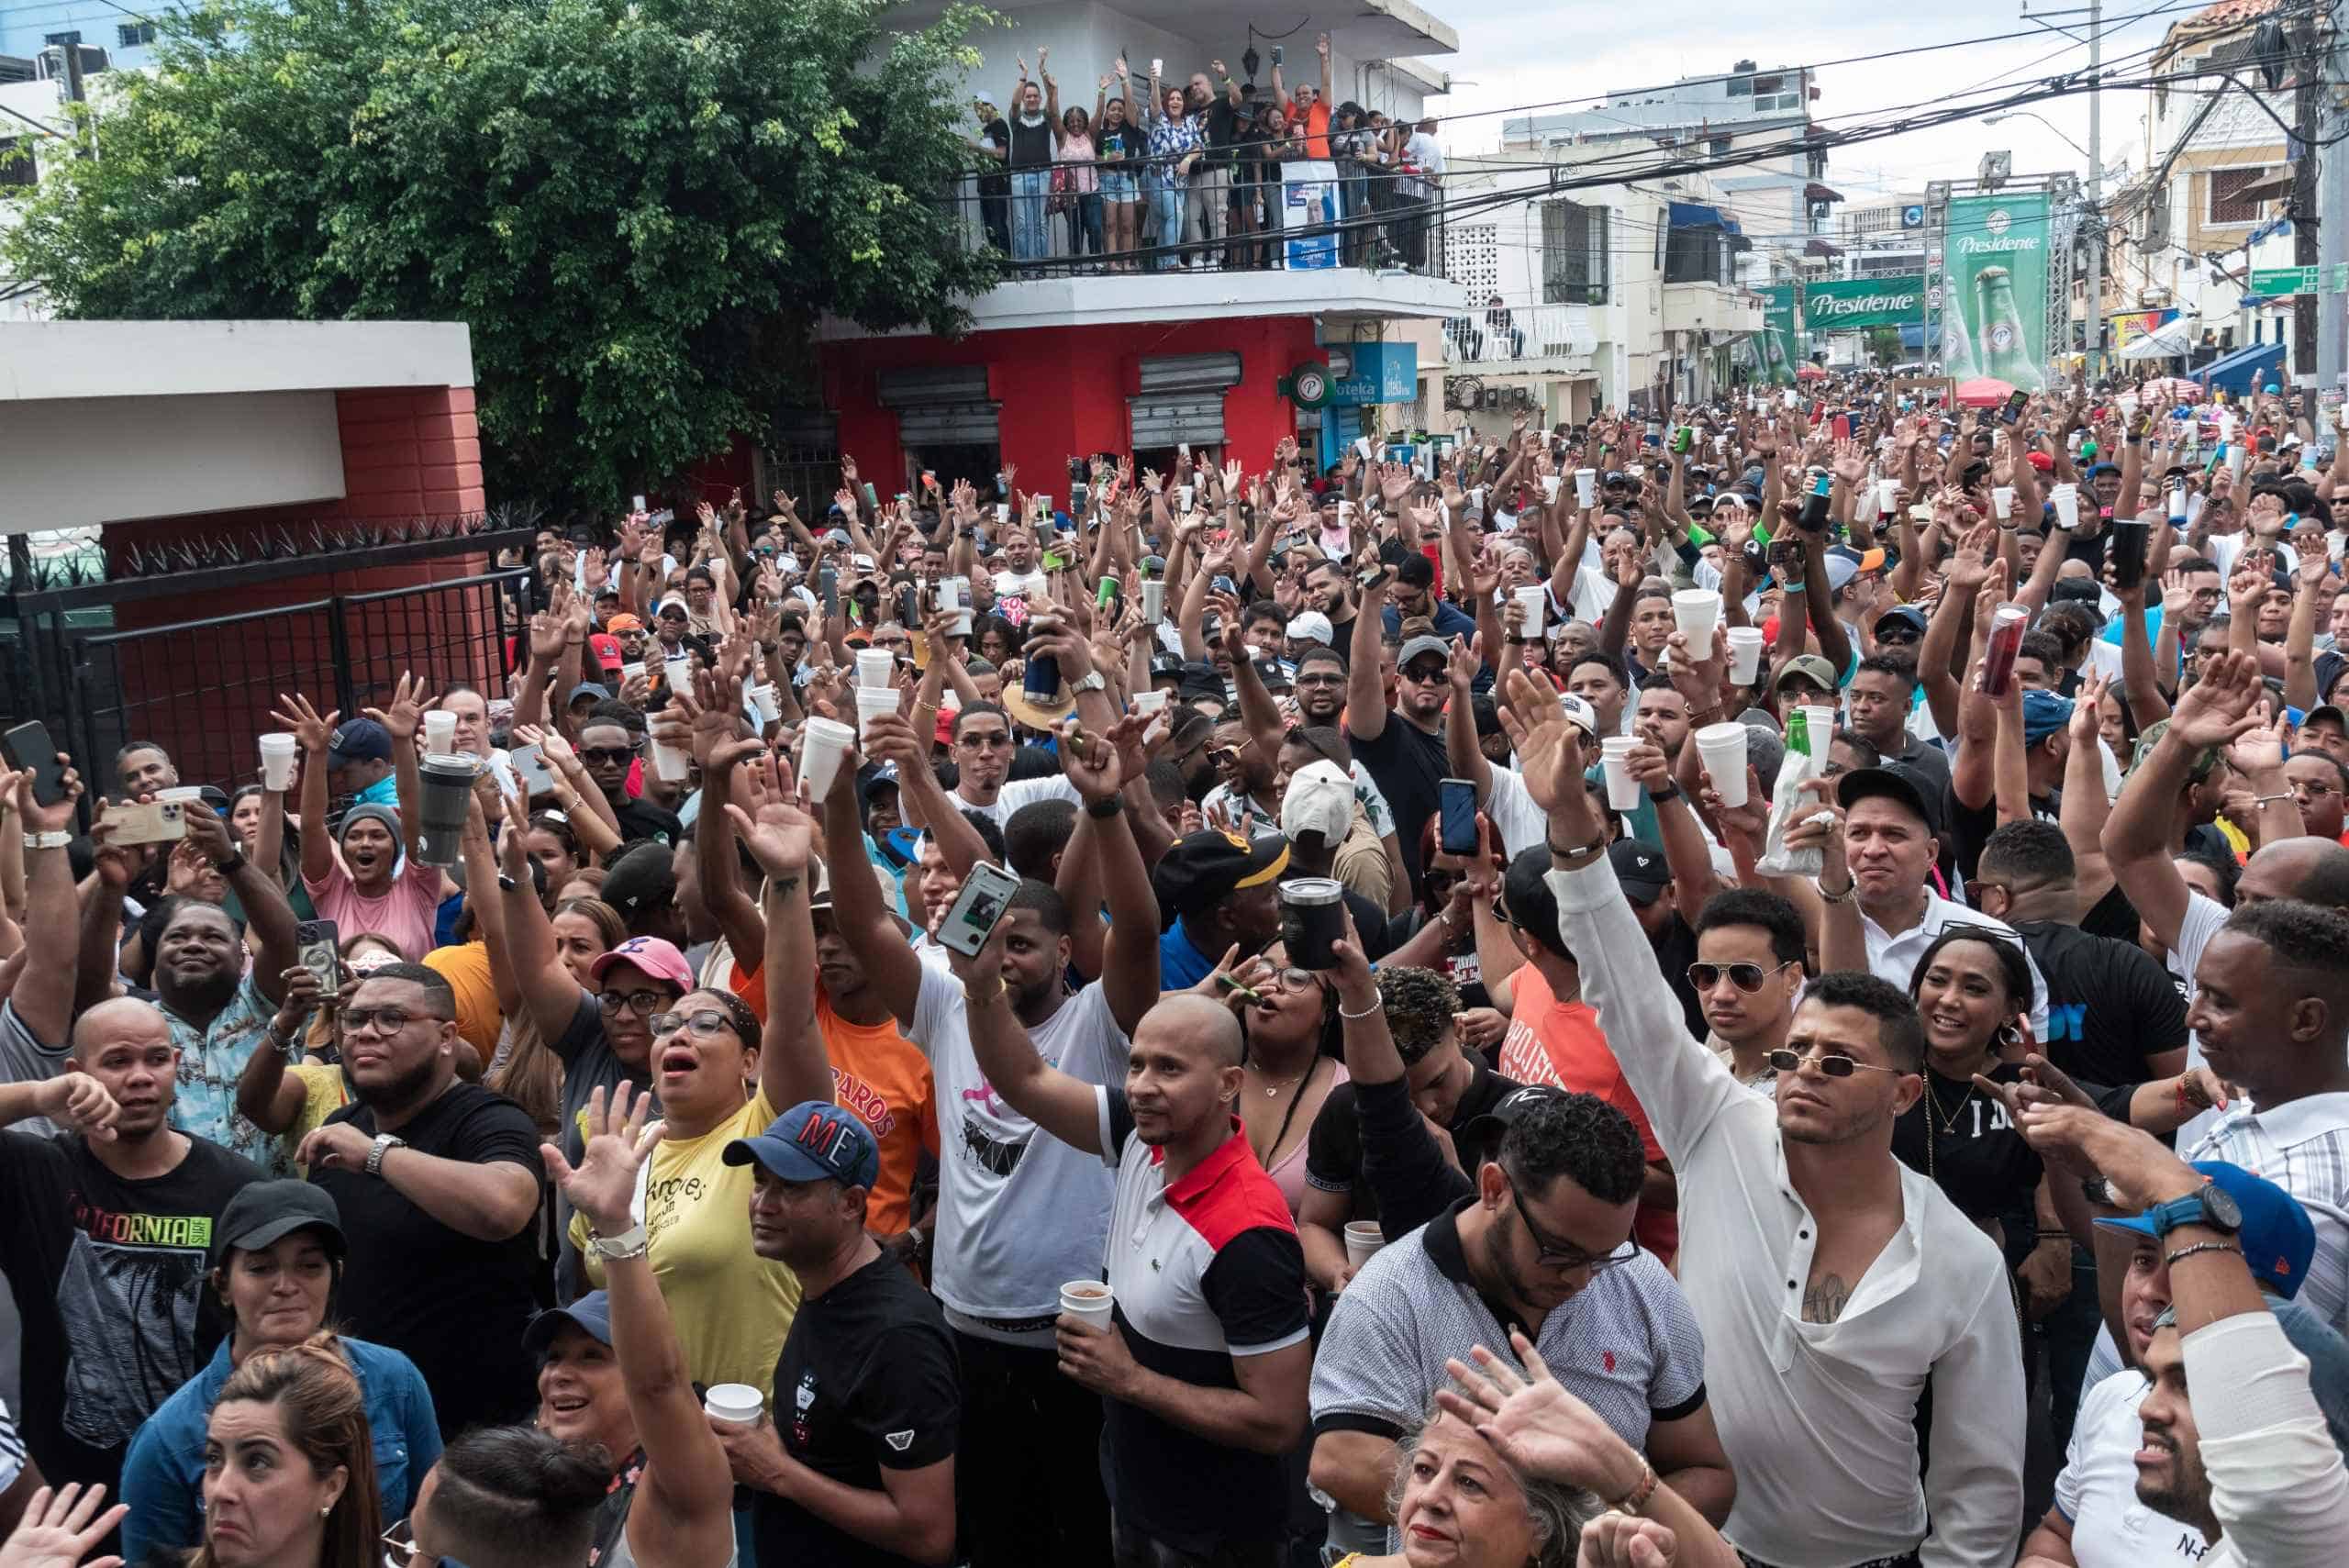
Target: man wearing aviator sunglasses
1801,1230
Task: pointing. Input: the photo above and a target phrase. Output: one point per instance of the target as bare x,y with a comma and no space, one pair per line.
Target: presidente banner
1777,337
1994,306
1845,304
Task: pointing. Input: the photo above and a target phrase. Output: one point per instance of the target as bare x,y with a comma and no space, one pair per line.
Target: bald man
105,1232
1204,1365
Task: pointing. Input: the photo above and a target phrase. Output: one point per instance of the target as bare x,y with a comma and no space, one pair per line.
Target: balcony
1536,339
1710,307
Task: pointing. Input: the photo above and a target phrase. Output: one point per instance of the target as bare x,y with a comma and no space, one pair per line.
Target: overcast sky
1516,52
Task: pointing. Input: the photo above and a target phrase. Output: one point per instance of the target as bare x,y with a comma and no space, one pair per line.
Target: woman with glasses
1291,1032
277,1258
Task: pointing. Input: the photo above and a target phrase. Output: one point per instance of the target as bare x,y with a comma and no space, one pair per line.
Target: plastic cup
1887,495
1150,701
1536,600
764,703
736,1404
1313,916
1088,1300
632,671
1183,493
825,743
872,703
874,667
1820,719
2002,499
278,750
1745,655
2067,504
1698,610
1550,482
1615,757
1723,749
1585,488
1364,1238
1002,513
1153,599
673,764
440,732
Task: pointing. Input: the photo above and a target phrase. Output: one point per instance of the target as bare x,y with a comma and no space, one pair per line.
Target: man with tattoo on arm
1836,1287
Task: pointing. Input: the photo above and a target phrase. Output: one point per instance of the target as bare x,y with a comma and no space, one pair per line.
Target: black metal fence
202,686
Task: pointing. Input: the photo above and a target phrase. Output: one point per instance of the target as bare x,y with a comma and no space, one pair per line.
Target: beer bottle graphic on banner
1957,343
2006,351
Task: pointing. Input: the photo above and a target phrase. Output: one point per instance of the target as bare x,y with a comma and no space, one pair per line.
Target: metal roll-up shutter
945,406
1182,399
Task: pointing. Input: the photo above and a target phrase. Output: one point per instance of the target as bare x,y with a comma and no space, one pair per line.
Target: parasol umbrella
1984,392
1810,372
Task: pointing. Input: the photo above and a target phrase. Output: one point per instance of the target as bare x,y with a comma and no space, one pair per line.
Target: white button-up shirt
1893,958
1817,1418
2276,1482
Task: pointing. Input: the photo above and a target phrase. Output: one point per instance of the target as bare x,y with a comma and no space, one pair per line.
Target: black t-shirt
1977,1157
1222,126
1032,143
1333,1149
108,1276
867,1383
1126,142
2109,1005
995,182
1676,950
640,820
454,1305
1407,764
2112,916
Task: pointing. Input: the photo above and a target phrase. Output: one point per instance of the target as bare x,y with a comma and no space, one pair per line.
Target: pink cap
656,958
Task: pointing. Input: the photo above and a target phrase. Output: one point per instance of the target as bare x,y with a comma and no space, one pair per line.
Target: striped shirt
2303,1147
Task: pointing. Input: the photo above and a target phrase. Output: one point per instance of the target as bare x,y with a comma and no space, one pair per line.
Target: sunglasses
985,742
607,756
1835,1064
1746,977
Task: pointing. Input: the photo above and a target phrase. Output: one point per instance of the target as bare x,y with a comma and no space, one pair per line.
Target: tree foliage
640,208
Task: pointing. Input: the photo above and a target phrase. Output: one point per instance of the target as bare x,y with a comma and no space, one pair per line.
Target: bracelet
971,999
1589,849
1658,796
1378,1005
55,839
1102,810
2264,799
1843,897
1635,1500
2171,1258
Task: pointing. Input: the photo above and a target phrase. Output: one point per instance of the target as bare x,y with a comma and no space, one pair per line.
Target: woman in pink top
1079,183
1290,1067
357,880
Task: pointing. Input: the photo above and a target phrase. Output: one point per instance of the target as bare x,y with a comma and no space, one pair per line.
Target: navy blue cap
815,1141
591,1314
2277,1238
359,741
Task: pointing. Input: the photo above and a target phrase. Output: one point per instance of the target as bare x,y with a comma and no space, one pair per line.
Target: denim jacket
162,1475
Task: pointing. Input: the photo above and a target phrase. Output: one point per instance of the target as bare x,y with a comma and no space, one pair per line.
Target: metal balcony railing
1498,335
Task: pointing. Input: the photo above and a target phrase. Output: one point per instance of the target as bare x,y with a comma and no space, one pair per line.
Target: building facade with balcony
1066,358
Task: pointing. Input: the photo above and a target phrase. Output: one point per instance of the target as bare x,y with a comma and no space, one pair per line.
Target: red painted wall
1063,389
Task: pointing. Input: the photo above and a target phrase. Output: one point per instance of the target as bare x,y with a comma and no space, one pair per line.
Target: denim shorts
1118,185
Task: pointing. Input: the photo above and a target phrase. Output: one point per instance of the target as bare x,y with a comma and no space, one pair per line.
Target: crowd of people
1641,993
1191,175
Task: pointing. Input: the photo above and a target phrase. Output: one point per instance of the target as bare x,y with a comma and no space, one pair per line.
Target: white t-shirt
1428,153
2097,1488
1018,792
1011,585
1020,1213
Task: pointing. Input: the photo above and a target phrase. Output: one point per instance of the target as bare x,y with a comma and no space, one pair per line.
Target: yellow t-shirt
323,1094
731,1306
466,969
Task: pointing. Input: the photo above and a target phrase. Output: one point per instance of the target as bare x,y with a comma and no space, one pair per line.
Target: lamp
1250,60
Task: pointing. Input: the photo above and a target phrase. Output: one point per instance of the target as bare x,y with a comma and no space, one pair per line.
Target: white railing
1504,334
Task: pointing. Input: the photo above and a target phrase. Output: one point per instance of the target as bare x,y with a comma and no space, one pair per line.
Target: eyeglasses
2309,787
1746,977
1563,1255
607,756
383,1021
986,740
1295,980
641,1003
704,1025
1333,680
399,1545
1834,1064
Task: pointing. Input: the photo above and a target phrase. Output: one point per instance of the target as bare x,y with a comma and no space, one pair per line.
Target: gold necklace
1933,1099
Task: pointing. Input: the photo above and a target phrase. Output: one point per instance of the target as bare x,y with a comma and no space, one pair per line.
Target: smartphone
987,894
145,822
29,746
1371,576
318,947
529,764
1457,830
827,587
1276,54
640,502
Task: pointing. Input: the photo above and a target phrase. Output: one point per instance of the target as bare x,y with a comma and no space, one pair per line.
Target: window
1719,146
69,39
1776,94
133,35
1697,256
17,167
2226,206
1574,254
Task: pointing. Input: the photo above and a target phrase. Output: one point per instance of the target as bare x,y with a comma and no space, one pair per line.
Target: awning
2274,188
1822,248
1815,191
2170,340
1697,215
2237,372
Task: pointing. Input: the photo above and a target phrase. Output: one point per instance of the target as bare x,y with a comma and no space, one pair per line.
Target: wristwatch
1094,681
233,864
55,839
384,1143
2207,1204
1102,810
629,1243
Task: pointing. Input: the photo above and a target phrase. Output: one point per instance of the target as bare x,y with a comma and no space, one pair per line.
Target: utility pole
2305,202
2095,340
2333,237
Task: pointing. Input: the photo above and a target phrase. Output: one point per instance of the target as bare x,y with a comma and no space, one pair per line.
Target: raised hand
2216,707
1534,1423
406,713
603,1184
312,730
58,1528
779,835
56,817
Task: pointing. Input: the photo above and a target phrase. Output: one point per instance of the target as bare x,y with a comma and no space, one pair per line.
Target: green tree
641,207
1883,345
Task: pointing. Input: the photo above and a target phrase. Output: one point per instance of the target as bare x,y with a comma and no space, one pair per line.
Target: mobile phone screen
1456,830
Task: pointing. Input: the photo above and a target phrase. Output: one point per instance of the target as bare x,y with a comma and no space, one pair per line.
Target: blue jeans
1167,192
1084,225
1028,188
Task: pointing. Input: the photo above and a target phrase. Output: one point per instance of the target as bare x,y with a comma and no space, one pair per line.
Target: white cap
1311,625
1578,713
1320,799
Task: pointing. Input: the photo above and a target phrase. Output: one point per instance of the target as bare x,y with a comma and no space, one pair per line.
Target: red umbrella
1984,392
1810,372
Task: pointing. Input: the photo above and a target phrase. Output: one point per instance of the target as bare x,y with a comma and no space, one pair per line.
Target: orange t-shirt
1317,129
1550,1041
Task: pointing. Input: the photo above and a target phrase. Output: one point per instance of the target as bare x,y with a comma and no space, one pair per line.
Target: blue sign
1382,372
1913,217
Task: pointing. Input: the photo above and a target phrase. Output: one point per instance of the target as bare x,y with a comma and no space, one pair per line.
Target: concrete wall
74,462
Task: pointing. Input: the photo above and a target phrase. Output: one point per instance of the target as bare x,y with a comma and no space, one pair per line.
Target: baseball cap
2278,1237
1812,667
2150,736
358,741
655,957
606,648
1420,648
1894,781
2044,712
585,689
1210,865
1311,625
643,878
263,1212
591,1314
1578,713
1640,867
815,1141
623,622
1905,615
2327,711
1487,1130
1320,799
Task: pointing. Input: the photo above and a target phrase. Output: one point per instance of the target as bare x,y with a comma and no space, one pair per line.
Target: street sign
2300,280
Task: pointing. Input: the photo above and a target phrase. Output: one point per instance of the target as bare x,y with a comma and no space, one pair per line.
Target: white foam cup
277,753
1362,1239
736,1404
1536,599
825,741
872,703
1615,756
1586,487
2002,500
1090,1300
1745,655
1887,495
764,700
1821,721
2067,504
673,763
440,732
1698,610
1149,701
181,792
1723,749
874,667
